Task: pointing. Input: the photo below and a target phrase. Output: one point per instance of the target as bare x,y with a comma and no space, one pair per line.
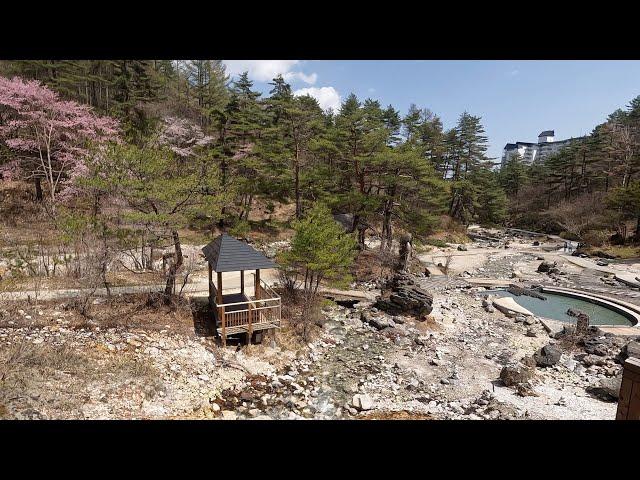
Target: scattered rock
590,360
631,349
545,266
516,373
362,401
229,415
376,320
547,356
525,389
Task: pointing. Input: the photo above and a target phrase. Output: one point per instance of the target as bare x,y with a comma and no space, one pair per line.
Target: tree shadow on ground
203,321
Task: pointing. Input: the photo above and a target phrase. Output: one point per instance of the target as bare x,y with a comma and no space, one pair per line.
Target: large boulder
547,356
545,266
403,295
516,374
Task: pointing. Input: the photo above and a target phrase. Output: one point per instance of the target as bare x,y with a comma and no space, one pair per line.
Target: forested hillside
179,143
368,160
589,190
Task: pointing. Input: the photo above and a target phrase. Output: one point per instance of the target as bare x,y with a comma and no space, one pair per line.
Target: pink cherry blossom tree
182,136
50,137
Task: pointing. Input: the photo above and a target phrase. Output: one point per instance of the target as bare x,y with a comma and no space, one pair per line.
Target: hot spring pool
555,307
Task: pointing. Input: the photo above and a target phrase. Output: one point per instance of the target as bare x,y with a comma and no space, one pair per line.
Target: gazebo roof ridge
227,254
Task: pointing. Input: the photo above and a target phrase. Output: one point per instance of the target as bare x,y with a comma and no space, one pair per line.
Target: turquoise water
555,307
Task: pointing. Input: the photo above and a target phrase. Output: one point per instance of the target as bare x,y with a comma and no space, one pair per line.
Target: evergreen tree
469,158
295,122
627,200
513,175
163,193
320,249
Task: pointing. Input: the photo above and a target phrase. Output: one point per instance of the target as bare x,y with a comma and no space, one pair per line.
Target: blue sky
516,99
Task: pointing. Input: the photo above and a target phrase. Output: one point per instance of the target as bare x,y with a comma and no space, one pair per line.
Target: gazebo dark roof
226,254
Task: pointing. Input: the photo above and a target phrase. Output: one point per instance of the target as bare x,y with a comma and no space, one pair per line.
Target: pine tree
320,249
513,175
360,134
409,190
470,158
627,200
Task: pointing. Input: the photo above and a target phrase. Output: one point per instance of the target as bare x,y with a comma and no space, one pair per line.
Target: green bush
320,250
241,229
436,242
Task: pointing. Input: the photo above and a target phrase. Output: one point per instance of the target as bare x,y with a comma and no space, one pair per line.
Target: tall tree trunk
175,266
296,170
387,237
38,185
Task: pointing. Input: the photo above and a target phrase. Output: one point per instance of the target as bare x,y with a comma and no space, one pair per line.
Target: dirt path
197,287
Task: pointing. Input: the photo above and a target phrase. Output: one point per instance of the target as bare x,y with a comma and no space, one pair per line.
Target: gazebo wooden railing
249,314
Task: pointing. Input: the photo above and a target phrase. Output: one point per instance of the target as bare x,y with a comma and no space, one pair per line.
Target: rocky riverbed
464,360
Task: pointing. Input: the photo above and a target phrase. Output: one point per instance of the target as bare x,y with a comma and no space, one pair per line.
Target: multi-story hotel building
547,145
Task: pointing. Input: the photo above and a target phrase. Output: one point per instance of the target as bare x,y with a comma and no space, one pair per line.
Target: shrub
596,238
320,250
241,229
436,242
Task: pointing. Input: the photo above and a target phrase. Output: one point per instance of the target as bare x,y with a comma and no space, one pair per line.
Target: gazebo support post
221,311
257,286
210,287
250,330
242,282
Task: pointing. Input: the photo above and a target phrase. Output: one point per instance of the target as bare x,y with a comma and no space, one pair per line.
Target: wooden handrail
249,301
253,309
266,287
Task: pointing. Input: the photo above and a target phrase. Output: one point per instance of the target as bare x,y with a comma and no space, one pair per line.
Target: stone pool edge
630,311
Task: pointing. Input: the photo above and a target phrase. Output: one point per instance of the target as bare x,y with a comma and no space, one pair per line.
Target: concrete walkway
587,263
509,306
198,287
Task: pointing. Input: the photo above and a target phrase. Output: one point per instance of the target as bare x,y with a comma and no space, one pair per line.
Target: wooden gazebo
235,311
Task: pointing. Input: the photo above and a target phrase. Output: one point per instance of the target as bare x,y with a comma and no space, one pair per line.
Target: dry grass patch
60,379
619,251
144,311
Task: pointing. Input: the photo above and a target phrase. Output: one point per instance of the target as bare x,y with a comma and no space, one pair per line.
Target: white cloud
310,79
513,73
371,90
327,97
267,70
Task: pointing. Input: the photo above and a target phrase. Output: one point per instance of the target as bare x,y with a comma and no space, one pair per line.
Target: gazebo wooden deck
235,311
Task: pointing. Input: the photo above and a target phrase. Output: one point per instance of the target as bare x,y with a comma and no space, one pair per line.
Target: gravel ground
446,367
